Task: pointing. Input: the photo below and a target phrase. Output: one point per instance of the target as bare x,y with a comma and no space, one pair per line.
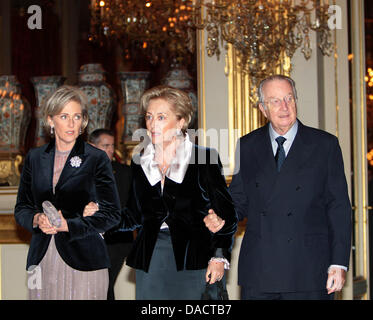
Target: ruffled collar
177,168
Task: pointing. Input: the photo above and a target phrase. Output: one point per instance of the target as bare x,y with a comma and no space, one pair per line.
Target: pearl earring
52,130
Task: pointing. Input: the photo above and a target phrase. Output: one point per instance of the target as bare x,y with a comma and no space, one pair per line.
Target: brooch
75,162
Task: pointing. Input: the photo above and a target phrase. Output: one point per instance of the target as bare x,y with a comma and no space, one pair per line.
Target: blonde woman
175,184
72,259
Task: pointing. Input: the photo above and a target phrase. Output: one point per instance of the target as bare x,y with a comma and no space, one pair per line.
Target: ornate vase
15,116
179,78
101,96
133,85
43,86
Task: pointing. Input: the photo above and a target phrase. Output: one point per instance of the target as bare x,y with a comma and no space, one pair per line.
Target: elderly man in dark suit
290,185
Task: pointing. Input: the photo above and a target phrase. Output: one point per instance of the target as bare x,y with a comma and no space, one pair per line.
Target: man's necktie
280,153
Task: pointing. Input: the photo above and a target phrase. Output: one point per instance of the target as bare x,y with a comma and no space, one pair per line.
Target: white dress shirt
289,136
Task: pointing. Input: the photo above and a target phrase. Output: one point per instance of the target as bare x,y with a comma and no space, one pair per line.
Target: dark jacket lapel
263,151
300,151
47,163
267,174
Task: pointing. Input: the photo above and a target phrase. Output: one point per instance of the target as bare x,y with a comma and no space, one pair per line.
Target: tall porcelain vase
43,86
15,116
180,78
133,85
101,96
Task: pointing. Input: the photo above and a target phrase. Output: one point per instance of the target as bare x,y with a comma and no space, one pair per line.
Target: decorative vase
15,117
180,78
133,85
43,86
101,96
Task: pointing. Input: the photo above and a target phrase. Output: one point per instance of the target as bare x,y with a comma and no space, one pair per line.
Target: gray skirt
53,279
163,281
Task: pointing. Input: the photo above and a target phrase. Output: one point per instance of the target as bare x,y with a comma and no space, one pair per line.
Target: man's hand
213,222
336,279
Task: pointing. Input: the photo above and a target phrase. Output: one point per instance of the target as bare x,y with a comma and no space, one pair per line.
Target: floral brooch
75,162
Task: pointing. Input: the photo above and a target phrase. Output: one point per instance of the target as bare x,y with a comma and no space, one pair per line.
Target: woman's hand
42,221
215,271
64,227
90,209
35,221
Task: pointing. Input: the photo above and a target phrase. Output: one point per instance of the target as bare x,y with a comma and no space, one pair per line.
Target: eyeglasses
277,102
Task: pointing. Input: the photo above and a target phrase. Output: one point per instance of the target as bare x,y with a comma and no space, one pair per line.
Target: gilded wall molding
11,232
360,176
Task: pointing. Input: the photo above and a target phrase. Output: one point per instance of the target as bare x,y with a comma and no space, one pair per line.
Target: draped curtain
34,53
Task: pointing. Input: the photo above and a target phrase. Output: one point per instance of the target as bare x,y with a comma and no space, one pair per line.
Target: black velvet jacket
82,247
183,207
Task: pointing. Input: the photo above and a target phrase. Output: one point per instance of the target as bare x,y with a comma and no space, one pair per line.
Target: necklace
163,170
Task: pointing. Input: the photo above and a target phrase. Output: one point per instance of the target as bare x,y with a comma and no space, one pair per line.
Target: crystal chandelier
157,28
261,31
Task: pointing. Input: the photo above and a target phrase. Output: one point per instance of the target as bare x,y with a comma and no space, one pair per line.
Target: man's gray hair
272,78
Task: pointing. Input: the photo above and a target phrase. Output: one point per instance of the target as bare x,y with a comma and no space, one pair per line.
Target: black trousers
248,293
117,253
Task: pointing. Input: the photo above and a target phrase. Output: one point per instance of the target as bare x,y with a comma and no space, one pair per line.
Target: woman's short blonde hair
56,101
179,100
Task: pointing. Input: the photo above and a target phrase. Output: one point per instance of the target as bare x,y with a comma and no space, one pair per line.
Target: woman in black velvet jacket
71,260
175,183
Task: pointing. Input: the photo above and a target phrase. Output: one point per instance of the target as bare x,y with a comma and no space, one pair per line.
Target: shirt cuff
337,266
226,263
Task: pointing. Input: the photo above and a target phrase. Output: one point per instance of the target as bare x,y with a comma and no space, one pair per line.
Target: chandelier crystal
261,31
152,27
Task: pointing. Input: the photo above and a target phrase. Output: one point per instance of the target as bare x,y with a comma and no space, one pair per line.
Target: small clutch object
52,213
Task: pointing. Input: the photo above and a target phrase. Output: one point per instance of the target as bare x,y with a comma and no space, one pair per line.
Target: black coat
298,220
183,207
123,177
82,247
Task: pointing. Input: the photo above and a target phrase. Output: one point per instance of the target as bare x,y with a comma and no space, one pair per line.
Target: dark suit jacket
123,177
82,247
183,207
298,220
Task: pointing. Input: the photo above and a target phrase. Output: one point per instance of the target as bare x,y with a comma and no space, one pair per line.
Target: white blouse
178,166
175,172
